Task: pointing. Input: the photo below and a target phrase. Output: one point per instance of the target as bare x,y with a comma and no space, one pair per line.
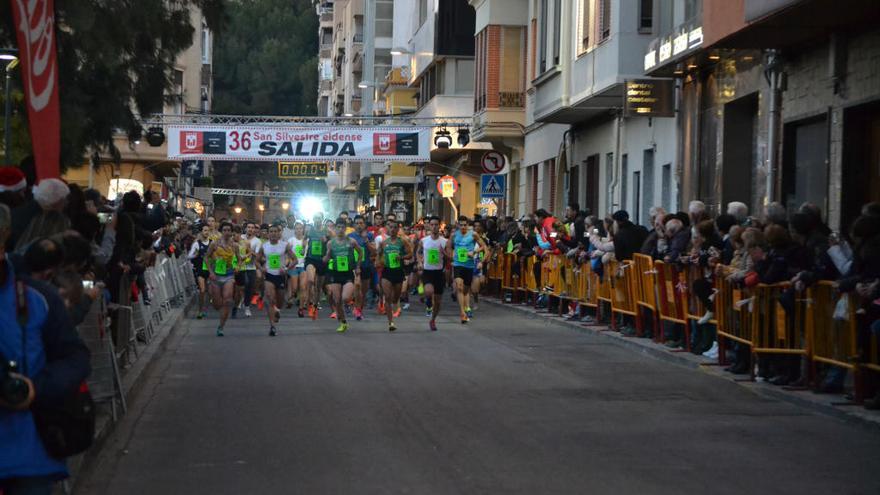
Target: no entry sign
492,162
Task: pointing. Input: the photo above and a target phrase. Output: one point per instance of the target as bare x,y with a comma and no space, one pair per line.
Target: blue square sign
493,186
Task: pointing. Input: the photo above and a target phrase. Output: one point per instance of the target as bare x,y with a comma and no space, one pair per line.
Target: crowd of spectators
774,247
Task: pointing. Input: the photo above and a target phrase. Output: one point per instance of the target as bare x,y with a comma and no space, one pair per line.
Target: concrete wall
811,92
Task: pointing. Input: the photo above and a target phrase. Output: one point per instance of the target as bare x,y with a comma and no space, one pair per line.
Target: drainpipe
774,79
615,180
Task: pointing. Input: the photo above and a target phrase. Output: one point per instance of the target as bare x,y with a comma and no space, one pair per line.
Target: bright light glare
309,206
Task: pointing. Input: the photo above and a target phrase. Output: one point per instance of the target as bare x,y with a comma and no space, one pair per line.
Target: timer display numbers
297,170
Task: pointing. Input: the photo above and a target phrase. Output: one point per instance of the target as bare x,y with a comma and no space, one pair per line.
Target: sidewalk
132,378
834,405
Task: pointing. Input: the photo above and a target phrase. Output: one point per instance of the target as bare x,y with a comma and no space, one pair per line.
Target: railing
509,99
114,333
818,325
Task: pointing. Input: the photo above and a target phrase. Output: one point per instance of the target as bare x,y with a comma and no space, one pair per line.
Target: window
584,26
624,178
423,11
206,43
604,20
646,16
542,39
666,188
648,183
431,83
326,69
557,29
177,92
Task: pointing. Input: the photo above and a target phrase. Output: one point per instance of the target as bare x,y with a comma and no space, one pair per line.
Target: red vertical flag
35,28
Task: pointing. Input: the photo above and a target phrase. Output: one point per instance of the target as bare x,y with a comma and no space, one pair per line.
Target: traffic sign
493,186
447,186
492,162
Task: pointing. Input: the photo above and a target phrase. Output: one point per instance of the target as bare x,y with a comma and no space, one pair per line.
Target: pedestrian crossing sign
493,186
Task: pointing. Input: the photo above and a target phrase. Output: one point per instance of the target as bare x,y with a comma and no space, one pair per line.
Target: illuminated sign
665,50
296,170
695,37
650,59
680,43
649,98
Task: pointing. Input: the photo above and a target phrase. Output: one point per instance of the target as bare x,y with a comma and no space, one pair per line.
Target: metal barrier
776,330
645,290
104,381
734,315
620,281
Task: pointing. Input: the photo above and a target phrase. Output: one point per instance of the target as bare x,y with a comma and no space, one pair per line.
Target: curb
859,417
132,379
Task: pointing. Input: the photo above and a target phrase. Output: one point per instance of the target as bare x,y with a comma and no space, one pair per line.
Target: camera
13,390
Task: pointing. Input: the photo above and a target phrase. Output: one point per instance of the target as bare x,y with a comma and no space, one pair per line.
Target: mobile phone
104,218
553,234
88,284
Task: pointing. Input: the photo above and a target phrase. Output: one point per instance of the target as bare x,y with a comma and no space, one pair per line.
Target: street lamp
237,211
285,206
262,209
10,55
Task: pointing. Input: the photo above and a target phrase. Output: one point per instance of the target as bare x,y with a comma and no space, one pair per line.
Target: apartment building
326,70
583,143
775,106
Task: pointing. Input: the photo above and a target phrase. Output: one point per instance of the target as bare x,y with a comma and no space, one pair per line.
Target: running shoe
333,315
392,327
260,303
313,313
200,315
381,309
358,314
255,298
433,325
428,311
342,327
406,305
464,319
469,312
397,312
300,312
272,331
277,314
219,331
247,312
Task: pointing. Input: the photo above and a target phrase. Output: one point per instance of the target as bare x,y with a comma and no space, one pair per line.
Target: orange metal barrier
777,331
623,299
832,341
734,313
670,299
694,307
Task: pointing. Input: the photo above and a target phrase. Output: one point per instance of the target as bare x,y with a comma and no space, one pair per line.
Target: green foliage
265,63
114,59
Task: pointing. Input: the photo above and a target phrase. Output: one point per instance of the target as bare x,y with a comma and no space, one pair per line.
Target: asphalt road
508,404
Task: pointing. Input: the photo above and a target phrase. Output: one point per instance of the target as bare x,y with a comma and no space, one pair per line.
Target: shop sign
649,98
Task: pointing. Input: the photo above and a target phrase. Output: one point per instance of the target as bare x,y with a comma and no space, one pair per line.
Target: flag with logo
35,30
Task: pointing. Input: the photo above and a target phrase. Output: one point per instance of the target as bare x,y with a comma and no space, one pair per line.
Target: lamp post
10,55
237,211
285,206
262,209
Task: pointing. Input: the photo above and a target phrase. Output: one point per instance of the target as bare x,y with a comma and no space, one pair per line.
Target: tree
114,62
265,62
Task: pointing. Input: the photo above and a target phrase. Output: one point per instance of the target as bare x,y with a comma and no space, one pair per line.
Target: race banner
35,30
300,144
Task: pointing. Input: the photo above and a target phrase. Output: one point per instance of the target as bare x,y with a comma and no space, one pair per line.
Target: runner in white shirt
432,258
297,272
274,258
251,274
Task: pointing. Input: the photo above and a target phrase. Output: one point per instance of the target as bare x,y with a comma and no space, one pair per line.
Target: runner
242,255
462,250
341,250
479,276
212,225
297,274
274,256
250,268
315,264
432,257
379,236
368,271
393,255
197,256
221,254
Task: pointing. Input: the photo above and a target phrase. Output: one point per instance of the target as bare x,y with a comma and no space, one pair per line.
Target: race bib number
235,262
317,248
275,261
204,265
220,267
461,255
357,257
509,246
300,251
434,256
342,263
393,260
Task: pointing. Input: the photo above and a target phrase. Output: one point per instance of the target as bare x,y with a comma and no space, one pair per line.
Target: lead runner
432,258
